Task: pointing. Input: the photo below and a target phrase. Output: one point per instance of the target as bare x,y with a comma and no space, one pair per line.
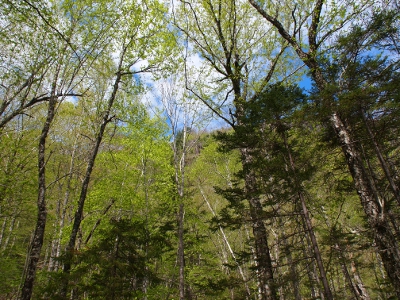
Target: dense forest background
205,149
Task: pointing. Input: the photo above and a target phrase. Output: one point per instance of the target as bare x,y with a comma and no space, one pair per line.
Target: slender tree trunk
54,264
345,272
10,231
181,253
359,292
98,221
54,243
37,240
180,182
359,285
3,228
276,254
266,285
85,184
38,236
372,205
382,161
294,276
311,268
114,258
317,253
308,222
228,245
179,147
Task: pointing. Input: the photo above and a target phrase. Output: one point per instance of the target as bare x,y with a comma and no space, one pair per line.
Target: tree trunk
308,223
112,201
54,264
228,245
3,228
382,160
310,267
359,285
10,231
38,236
181,253
373,206
345,271
266,286
294,276
37,240
317,253
85,184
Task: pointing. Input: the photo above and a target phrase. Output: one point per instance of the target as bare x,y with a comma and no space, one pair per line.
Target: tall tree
136,39
216,29
279,102
321,21
63,78
184,116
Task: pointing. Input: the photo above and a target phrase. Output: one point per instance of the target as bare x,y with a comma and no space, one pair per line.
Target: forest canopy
205,149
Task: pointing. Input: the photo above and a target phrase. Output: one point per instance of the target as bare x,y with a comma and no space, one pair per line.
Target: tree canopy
210,149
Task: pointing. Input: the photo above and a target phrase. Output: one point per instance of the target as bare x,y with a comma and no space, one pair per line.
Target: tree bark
37,240
54,264
373,206
10,231
310,267
317,253
179,148
3,228
231,65
359,285
38,236
294,275
266,285
345,271
181,253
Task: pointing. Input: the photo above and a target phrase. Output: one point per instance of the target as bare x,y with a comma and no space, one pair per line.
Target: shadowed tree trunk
374,207
308,222
359,285
181,253
266,284
293,268
382,161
